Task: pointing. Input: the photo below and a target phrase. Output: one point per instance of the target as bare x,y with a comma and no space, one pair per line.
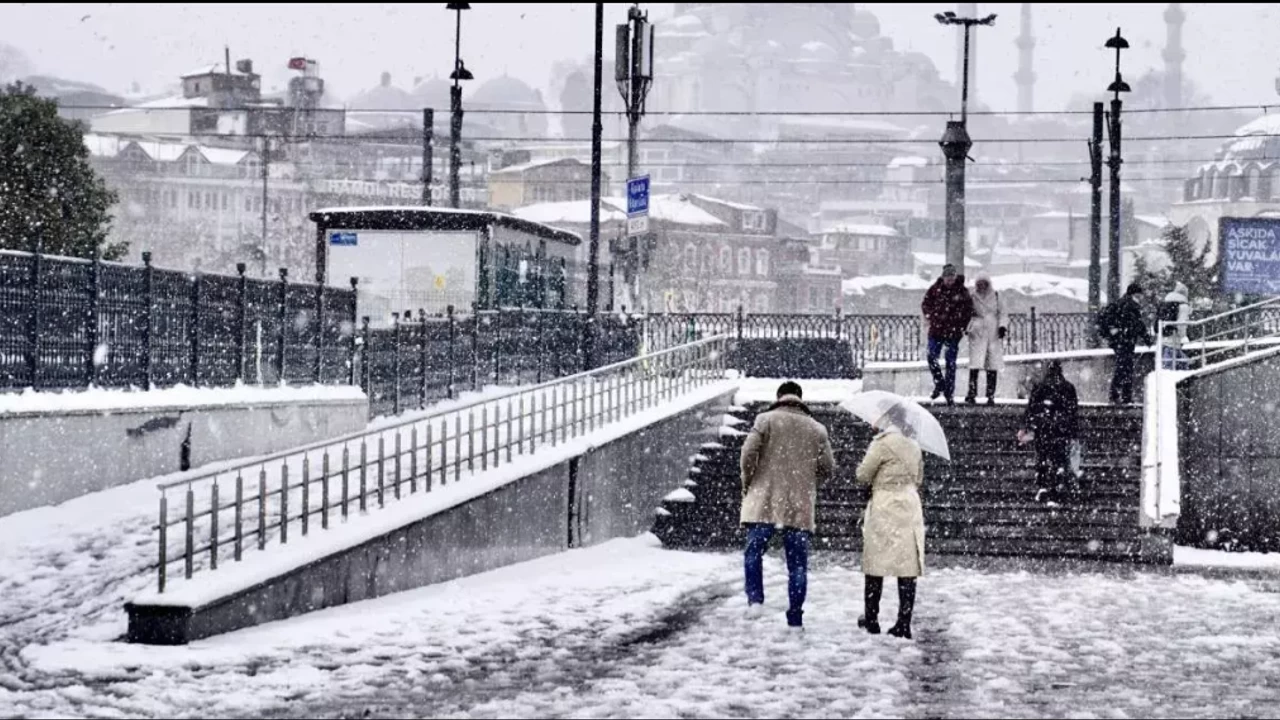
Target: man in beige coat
784,458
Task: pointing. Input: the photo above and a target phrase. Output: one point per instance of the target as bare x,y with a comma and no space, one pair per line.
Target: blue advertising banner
343,239
1250,255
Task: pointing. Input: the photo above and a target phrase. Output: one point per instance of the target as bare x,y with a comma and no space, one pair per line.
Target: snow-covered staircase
982,503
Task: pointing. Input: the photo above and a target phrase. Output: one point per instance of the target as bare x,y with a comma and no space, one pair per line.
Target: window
762,262
690,257
225,202
726,259
173,198
753,220
248,203
744,261
192,199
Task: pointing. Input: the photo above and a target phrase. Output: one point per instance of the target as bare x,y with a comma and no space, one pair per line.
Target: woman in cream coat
893,525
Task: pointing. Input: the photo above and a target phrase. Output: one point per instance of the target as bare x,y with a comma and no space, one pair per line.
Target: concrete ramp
509,478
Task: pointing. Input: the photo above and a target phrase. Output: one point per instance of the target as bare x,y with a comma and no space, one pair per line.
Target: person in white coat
1176,308
987,331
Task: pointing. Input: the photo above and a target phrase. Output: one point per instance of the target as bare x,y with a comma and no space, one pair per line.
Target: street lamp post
1117,86
956,144
460,73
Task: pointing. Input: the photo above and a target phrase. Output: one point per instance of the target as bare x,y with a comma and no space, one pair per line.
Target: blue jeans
796,547
944,384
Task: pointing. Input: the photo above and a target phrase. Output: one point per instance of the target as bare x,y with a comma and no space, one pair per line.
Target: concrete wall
49,458
1229,452
610,491
1089,371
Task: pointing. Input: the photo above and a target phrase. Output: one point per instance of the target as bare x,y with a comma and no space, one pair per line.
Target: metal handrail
370,466
523,389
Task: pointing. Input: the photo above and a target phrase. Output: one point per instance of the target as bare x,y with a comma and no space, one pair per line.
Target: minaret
1025,78
1173,55
967,10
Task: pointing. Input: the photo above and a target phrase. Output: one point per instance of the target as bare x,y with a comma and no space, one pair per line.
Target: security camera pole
956,144
633,73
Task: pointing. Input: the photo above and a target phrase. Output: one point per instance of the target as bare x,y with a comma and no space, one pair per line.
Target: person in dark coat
1123,329
947,310
1052,423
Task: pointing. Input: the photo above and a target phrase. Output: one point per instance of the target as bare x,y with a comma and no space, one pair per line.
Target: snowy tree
1187,265
50,197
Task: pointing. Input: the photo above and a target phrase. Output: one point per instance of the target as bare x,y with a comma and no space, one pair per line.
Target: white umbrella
907,415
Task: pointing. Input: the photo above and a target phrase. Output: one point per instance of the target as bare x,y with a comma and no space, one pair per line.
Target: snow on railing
1221,338
275,495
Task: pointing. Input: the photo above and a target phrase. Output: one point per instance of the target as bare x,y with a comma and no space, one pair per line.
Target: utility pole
266,174
428,160
593,256
955,147
460,72
1095,219
1116,87
633,74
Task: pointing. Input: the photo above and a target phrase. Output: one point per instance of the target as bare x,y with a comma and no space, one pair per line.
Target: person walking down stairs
987,332
947,310
1052,424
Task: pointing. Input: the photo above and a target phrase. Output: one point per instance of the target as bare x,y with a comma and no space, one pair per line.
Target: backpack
1169,311
1106,320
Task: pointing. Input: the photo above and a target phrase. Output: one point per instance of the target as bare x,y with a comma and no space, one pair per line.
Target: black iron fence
872,338
424,358
71,323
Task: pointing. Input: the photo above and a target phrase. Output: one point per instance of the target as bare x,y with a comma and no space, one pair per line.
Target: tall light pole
593,257
1117,86
460,73
956,144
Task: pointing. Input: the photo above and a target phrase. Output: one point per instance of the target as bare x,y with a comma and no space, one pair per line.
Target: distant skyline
1231,54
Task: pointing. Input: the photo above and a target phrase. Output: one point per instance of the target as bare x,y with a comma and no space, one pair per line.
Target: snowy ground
627,629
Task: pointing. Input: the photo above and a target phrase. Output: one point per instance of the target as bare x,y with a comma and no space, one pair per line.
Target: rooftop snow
860,229
570,211
673,209
939,259
860,285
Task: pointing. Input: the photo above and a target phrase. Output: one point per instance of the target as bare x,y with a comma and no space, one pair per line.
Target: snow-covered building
1243,181
706,254
863,249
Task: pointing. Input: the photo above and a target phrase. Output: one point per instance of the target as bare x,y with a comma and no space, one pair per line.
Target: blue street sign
344,239
638,195
1250,255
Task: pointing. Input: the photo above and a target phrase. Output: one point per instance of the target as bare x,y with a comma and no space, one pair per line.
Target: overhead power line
1261,107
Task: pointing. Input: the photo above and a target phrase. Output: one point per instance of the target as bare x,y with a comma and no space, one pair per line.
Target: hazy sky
1232,53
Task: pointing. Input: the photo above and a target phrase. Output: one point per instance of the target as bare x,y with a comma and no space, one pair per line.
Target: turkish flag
298,63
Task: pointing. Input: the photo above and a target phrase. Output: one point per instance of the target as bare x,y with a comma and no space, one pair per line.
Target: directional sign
343,239
638,195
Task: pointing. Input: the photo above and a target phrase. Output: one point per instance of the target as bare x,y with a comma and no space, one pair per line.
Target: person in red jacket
947,309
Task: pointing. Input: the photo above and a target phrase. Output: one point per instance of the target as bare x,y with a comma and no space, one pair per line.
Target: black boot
972,396
872,588
991,387
906,606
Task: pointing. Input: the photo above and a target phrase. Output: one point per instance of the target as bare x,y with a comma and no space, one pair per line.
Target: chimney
227,58
386,79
